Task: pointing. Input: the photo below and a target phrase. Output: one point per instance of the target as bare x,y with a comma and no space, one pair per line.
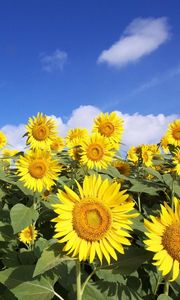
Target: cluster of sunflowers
91,193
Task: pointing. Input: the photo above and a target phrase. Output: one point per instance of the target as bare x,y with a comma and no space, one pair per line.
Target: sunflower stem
166,287
78,280
87,279
58,296
139,202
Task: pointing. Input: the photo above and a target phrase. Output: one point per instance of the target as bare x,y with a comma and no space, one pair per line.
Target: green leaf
12,277
19,281
50,258
6,233
22,216
130,261
177,188
164,297
143,188
6,294
111,171
91,292
35,290
168,180
154,173
25,191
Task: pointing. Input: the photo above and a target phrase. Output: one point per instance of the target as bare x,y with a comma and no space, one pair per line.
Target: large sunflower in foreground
94,220
173,133
164,239
38,170
28,235
96,152
3,140
41,131
110,126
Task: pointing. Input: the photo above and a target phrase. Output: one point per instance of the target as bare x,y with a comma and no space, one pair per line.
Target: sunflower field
79,220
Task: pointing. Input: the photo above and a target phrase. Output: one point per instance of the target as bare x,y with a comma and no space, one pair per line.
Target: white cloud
140,38
146,129
139,129
54,61
14,136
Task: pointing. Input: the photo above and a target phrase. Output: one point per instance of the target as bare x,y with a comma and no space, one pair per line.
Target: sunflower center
37,168
95,152
176,133
76,153
55,146
28,233
171,240
91,220
40,132
107,128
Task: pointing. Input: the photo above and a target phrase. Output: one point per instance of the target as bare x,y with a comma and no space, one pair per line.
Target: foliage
42,270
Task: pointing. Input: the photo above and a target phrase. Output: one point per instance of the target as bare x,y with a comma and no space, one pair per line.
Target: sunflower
57,144
75,153
8,153
38,170
132,154
110,126
96,151
41,131
165,143
75,136
122,166
94,220
164,239
3,140
153,148
176,161
28,235
173,133
46,194
147,155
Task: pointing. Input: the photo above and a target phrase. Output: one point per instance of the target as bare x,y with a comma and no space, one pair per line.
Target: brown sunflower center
107,128
55,146
171,240
37,168
28,233
176,133
40,132
95,152
91,220
77,153
123,168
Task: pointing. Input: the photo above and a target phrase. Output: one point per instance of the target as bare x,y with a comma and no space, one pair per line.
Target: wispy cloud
140,38
54,61
155,81
139,129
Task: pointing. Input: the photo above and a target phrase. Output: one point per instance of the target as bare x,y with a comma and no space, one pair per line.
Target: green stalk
166,287
139,202
78,280
87,280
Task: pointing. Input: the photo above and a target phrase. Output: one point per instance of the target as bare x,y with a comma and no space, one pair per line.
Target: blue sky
49,53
